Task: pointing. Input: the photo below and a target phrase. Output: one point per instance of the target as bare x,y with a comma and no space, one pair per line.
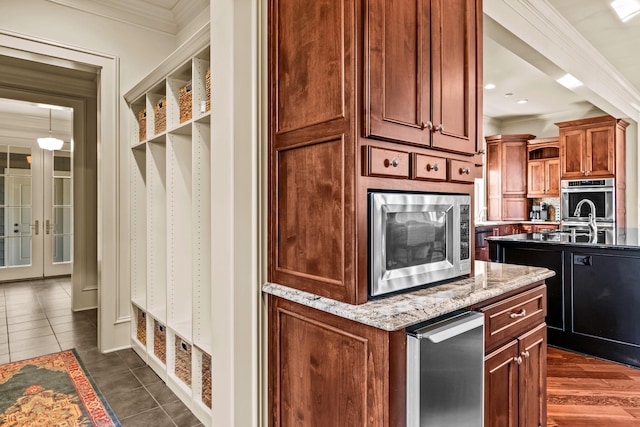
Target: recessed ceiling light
569,81
522,101
508,94
489,86
626,9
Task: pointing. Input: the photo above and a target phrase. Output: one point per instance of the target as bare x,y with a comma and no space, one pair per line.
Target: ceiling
518,64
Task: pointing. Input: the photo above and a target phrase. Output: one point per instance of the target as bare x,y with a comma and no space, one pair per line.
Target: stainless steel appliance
445,372
601,192
417,239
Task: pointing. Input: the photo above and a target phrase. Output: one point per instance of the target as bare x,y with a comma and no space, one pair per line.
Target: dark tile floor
36,319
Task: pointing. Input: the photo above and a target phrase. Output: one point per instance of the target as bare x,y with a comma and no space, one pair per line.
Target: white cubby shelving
170,190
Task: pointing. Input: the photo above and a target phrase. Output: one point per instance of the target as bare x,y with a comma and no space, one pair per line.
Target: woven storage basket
208,88
142,125
160,341
183,360
206,379
141,332
186,97
160,116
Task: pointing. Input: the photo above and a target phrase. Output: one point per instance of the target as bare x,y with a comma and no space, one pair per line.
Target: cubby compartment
170,229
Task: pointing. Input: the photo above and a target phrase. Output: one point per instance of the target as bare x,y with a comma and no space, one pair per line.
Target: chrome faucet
593,228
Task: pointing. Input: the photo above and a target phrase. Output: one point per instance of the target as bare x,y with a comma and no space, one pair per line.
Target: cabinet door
533,377
536,178
501,384
600,151
572,153
453,63
514,171
552,178
398,49
514,208
494,182
324,370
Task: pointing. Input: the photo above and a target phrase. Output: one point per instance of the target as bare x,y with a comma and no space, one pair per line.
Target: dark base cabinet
592,301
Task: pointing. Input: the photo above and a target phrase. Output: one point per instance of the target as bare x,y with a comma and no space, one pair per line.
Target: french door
36,212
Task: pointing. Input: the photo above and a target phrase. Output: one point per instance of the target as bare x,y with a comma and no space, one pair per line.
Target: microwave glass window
415,238
598,199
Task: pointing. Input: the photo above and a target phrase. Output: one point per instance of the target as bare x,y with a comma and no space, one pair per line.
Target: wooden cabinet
506,177
422,72
593,148
543,168
515,362
345,106
325,370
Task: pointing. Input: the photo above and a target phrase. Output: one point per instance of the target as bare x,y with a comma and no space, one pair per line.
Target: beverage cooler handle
452,328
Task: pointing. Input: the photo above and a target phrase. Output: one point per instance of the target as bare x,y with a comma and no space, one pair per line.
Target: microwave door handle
453,328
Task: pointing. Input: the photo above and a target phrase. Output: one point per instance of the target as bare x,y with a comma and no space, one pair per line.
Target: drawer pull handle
439,128
518,360
521,313
432,168
525,354
465,171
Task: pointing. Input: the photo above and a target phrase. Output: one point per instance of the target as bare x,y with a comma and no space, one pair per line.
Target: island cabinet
507,177
325,370
515,361
353,88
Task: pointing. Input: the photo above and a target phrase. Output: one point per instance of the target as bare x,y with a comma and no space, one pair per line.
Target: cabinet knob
432,168
586,173
428,125
465,171
439,128
525,354
518,360
392,162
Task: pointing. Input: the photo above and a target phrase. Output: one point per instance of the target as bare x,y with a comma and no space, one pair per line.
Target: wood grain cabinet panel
507,177
422,72
387,163
501,387
428,167
328,371
461,171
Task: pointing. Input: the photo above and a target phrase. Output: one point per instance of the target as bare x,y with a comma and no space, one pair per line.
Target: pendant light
50,143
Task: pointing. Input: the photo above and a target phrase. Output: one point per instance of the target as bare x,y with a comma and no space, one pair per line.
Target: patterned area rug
52,390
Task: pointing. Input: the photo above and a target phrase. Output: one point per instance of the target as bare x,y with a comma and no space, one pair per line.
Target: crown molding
539,25
144,15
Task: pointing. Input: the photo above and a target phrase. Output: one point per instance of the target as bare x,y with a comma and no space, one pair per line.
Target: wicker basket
208,88
206,379
142,125
183,360
141,326
160,116
186,97
160,341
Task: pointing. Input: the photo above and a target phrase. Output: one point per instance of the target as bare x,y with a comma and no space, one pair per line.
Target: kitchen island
594,297
342,364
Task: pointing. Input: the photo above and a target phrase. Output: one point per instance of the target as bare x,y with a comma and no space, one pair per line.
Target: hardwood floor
585,391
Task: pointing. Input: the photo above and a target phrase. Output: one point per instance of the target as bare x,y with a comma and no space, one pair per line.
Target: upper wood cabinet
421,67
335,68
592,148
543,168
507,177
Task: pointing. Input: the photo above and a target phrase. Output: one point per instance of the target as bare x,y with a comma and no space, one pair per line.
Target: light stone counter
400,311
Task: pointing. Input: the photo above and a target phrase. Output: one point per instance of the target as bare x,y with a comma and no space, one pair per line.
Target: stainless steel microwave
417,239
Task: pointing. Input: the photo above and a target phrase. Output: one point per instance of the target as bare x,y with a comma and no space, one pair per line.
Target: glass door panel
59,220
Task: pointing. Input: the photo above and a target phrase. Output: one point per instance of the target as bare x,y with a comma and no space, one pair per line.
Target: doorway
36,223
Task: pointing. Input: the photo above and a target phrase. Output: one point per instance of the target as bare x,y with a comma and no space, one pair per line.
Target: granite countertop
400,311
493,223
622,238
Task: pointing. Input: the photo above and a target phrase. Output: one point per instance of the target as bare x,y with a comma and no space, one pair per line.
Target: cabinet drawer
507,319
389,163
428,167
461,171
